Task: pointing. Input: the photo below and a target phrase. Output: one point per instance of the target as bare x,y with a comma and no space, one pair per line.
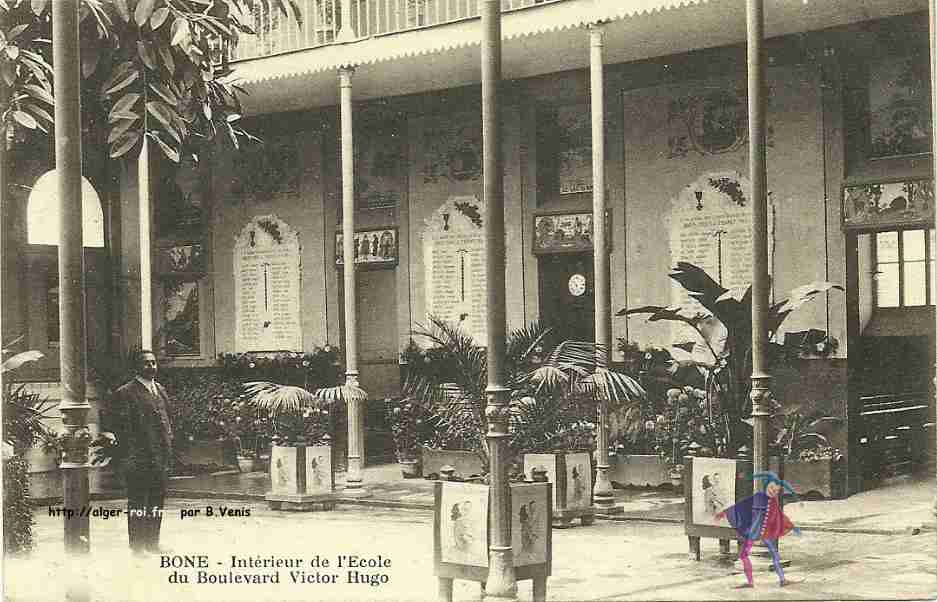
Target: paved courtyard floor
609,560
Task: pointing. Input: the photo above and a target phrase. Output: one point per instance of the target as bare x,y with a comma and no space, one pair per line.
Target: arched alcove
42,213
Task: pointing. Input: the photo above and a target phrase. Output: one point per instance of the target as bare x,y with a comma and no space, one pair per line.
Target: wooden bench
892,433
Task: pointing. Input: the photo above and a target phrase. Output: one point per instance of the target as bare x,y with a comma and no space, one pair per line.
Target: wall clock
577,285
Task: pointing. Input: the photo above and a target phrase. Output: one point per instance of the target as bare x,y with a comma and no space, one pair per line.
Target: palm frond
278,399
615,387
19,359
340,393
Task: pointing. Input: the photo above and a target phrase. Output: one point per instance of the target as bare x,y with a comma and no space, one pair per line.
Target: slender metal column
146,269
353,483
501,578
602,492
932,6
74,406
761,379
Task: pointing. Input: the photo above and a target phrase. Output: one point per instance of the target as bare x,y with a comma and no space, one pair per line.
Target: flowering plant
412,425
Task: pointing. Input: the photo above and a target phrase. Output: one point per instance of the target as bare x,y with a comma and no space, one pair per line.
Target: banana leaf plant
805,431
24,412
724,325
553,387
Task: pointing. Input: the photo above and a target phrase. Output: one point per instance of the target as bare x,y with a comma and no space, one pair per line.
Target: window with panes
904,268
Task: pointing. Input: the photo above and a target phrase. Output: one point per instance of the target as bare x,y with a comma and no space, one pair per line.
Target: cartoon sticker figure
759,517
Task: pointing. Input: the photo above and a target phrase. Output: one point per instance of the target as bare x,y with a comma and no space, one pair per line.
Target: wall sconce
699,200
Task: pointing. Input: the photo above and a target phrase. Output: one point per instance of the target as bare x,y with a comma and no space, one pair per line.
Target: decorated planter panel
461,534
301,470
639,470
466,463
463,524
571,475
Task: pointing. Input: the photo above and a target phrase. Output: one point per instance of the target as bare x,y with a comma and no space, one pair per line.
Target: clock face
577,285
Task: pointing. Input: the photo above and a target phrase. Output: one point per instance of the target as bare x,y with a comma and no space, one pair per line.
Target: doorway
567,295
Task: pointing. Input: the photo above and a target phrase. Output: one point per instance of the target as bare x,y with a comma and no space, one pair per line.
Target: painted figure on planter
759,517
461,530
579,488
528,520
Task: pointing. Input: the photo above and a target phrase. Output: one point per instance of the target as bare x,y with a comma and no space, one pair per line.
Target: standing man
140,420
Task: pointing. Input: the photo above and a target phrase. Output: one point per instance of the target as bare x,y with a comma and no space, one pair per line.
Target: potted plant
555,388
811,463
636,457
719,357
23,427
410,423
301,470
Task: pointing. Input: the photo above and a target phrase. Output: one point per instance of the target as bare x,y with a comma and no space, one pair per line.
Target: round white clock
577,285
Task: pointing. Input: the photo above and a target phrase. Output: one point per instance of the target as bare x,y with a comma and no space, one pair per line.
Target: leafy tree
153,69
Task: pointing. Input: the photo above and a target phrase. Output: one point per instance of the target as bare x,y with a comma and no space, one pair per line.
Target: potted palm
301,471
555,388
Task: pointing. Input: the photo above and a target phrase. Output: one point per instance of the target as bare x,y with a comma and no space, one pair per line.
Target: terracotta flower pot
411,468
246,463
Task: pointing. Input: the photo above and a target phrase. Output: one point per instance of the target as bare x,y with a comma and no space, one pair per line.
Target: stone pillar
353,482
502,582
72,353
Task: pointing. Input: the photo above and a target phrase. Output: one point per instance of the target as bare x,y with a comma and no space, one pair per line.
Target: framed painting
900,121
567,232
883,205
375,248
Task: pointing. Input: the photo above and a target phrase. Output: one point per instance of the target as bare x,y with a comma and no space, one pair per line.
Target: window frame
929,296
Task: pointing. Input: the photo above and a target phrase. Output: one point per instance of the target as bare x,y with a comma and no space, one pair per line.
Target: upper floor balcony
322,21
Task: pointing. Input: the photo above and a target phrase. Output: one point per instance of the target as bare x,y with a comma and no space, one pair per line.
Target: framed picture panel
567,232
888,204
374,248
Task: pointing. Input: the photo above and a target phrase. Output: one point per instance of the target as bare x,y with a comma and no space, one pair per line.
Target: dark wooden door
567,295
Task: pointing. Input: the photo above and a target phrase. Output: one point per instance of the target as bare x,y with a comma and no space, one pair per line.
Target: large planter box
638,471
301,478
219,453
823,477
571,475
462,530
465,463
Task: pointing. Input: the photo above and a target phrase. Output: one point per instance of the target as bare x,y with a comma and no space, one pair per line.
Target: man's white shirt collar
149,384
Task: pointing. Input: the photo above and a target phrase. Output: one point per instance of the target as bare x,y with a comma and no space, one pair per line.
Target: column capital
344,76
597,32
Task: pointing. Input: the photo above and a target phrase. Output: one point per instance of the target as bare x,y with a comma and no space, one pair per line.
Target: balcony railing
322,20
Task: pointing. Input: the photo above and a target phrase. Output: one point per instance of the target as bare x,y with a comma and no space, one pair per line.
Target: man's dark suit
140,421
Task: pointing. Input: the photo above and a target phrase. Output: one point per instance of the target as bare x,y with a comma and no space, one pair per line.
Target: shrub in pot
811,463
560,382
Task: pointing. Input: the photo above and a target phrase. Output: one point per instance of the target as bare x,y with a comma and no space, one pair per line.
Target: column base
298,502
356,492
502,581
612,509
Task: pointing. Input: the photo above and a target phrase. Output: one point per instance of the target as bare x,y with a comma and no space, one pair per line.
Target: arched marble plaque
267,286
454,262
711,227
